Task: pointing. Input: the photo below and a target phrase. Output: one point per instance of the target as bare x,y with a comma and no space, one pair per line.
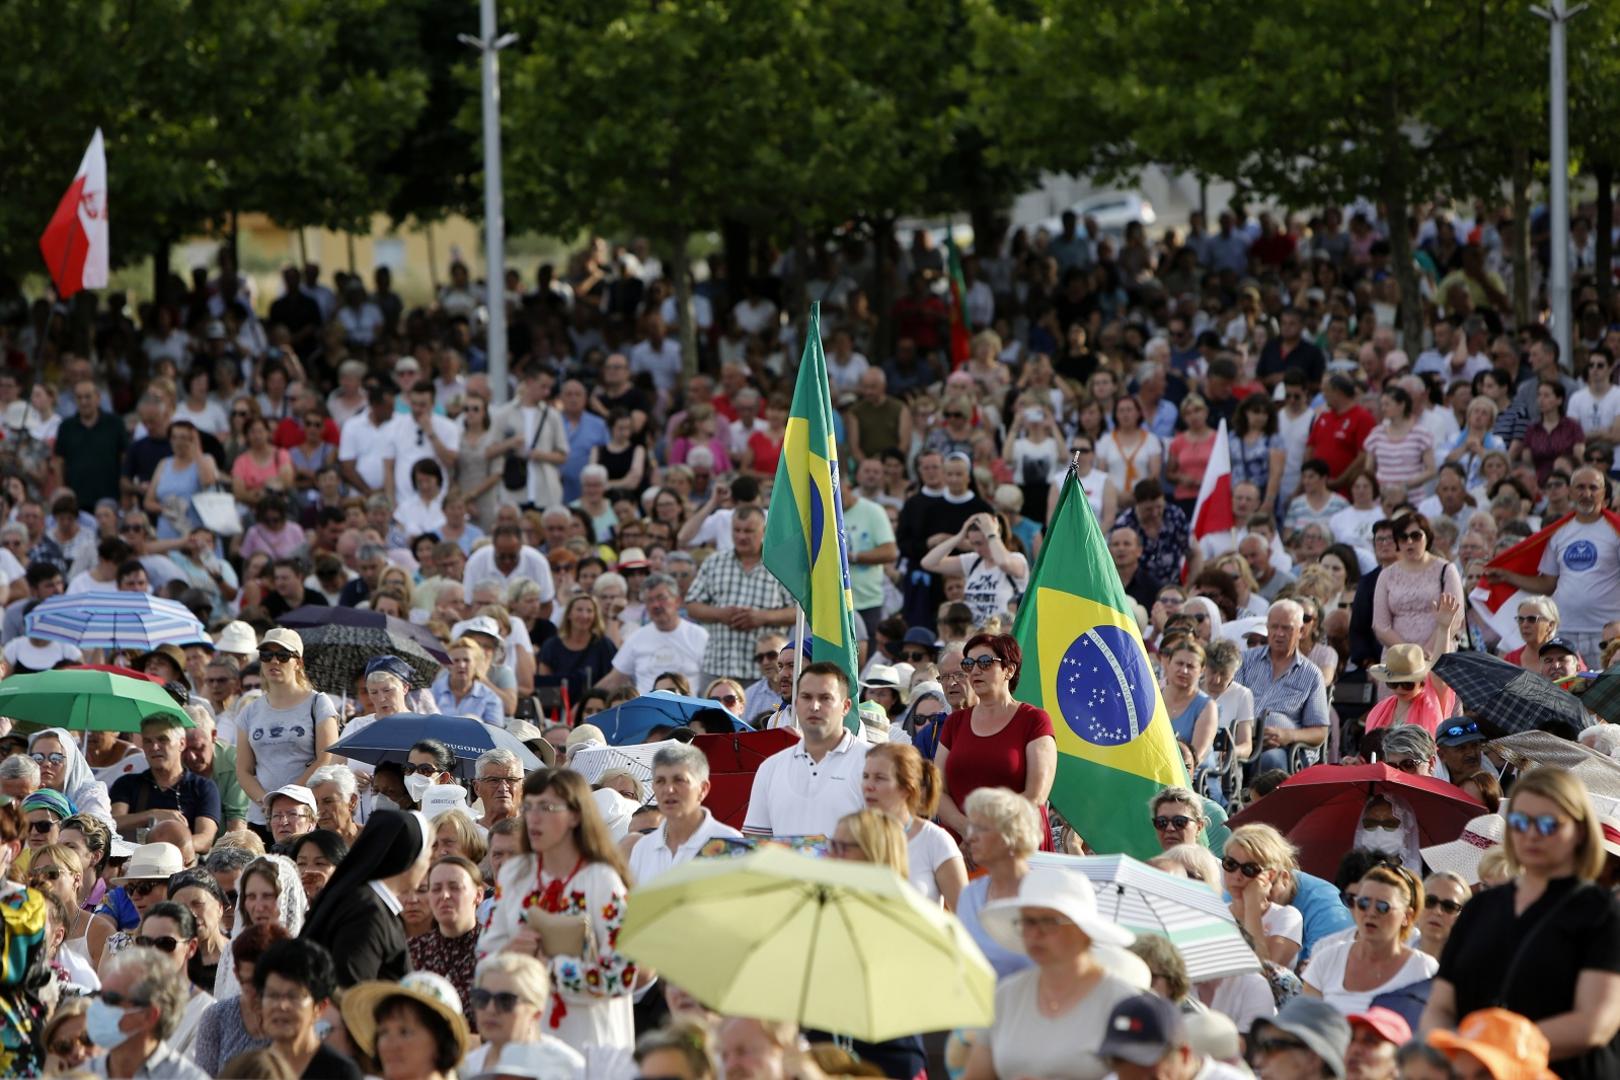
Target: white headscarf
87,794
1209,608
290,904
1403,843
616,811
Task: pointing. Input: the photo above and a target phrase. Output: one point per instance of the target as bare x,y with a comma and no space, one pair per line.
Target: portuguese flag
1085,664
961,329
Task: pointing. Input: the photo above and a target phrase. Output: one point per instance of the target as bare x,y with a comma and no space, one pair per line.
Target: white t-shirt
794,796
361,442
404,443
1354,527
929,850
651,855
1586,560
662,362
1595,415
530,565
1284,921
1243,999
989,589
649,652
211,418
1326,973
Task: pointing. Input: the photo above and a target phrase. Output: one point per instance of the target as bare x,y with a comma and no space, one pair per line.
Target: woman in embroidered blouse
569,865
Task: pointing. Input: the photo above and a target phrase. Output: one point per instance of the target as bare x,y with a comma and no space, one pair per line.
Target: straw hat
1402,663
1507,1044
360,1004
1462,855
1068,893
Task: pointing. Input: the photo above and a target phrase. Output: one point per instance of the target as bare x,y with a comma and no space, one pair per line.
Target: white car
1113,210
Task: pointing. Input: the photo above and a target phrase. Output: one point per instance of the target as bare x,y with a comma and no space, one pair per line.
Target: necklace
1055,1004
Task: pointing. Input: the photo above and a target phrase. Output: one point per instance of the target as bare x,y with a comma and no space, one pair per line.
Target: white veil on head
87,794
291,907
1403,843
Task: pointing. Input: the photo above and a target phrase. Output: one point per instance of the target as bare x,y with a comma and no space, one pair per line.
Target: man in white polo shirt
805,789
680,783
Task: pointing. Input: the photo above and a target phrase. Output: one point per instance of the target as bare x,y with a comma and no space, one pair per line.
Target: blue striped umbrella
1150,901
114,620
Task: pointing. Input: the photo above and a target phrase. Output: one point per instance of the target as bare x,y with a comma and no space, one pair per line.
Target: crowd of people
233,898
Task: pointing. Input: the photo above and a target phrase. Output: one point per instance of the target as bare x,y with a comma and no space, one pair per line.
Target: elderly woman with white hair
1003,831
1537,619
388,686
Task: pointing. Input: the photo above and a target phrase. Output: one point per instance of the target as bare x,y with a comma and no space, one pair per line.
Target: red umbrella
733,761
114,669
1319,808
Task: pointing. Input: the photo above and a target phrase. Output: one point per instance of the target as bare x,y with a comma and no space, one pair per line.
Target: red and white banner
1213,511
75,242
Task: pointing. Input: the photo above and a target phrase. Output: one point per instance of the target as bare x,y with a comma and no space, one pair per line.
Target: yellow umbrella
843,947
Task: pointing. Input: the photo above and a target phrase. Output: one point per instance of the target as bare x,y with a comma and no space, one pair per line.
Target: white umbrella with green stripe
1150,901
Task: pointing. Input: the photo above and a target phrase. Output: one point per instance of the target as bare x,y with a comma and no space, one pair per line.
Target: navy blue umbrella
316,615
629,722
390,738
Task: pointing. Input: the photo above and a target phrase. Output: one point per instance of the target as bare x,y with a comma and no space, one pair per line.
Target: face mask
1382,841
383,802
101,1025
417,786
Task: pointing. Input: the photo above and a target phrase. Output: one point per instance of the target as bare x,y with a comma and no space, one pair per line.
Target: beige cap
287,639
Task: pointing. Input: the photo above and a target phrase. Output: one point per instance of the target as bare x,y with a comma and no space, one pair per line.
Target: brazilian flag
1085,664
804,527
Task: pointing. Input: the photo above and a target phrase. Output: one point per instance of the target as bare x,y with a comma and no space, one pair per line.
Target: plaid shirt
722,582
1163,554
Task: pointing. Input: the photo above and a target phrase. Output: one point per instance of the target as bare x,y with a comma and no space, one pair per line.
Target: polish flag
1213,512
75,242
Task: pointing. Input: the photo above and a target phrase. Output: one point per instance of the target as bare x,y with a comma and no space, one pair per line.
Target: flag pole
798,653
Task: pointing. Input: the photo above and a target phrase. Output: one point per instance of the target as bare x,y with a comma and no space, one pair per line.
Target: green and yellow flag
804,527
1085,664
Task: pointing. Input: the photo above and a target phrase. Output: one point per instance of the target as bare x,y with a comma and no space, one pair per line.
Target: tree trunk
680,261
738,241
882,278
231,242
1400,253
798,295
161,268
1521,236
1605,240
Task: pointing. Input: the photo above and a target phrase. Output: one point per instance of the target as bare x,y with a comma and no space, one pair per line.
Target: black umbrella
362,618
335,655
1506,699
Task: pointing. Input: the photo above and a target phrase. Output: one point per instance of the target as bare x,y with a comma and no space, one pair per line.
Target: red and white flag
1213,512
75,242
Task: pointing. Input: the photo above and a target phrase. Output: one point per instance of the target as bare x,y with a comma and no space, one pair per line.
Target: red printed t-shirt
1337,438
999,760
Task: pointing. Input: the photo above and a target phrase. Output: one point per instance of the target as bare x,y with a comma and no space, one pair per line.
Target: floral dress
23,968
591,1001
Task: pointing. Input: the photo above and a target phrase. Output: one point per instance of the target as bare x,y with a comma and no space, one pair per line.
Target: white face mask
1383,841
383,802
101,1025
417,786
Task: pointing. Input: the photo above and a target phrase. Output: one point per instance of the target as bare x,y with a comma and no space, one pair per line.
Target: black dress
1562,934
366,938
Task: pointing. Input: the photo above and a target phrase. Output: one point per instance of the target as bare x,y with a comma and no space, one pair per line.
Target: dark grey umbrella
1506,699
336,655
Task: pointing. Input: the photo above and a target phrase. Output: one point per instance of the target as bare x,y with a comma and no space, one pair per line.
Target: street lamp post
494,199
1558,16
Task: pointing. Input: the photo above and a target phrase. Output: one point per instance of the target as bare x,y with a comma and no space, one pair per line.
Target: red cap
1390,1025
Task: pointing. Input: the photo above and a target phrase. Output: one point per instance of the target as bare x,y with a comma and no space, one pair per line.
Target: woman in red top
999,742
763,448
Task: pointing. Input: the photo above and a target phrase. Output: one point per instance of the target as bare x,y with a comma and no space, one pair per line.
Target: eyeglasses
1450,907
1527,618
503,1000
1179,821
1545,824
1367,903
914,656
54,759
1405,765
421,768
1249,869
985,663
141,888
1384,824
841,849
763,657
955,416
1457,731
43,828
132,528
503,781
1307,617
548,807
1276,1046
294,998
274,656
289,815
162,944
122,1001
1038,922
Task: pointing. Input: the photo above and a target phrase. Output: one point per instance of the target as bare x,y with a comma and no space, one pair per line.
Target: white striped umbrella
1150,901
114,620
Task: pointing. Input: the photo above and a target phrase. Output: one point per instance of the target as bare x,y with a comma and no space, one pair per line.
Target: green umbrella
87,701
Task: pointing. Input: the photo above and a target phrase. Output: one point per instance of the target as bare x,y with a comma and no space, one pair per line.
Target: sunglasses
726,699
1405,765
1413,535
1385,824
985,663
1276,1046
54,759
1527,618
1545,824
121,1001
1082,450
63,1049
43,828
46,873
1399,686
1367,903
163,944
239,415
422,768
1450,907
1249,869
1457,731
274,656
915,656
141,888
762,657
1179,821
503,1000
955,416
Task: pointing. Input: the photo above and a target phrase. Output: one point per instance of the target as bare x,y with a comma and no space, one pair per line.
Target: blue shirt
972,899
1318,901
480,702
1298,696
584,435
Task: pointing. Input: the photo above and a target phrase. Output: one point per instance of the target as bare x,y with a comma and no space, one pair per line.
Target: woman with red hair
999,742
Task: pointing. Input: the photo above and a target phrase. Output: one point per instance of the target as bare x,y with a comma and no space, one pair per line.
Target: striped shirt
723,582
1297,699
1398,460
